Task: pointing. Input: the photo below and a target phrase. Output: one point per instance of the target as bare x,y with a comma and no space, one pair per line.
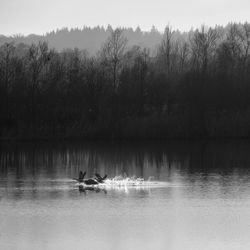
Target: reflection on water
203,204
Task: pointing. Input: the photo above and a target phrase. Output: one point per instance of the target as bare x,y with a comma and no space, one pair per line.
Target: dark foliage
197,85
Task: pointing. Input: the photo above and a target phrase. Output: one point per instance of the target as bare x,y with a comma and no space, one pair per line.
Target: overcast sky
41,16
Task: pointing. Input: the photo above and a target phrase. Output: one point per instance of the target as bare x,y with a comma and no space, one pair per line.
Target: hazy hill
87,38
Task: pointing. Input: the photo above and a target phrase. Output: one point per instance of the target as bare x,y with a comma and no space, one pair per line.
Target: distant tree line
196,85
86,38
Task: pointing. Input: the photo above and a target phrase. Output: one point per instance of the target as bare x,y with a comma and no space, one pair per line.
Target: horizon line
106,27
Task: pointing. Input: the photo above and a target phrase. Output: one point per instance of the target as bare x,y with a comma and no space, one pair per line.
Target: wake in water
119,181
123,184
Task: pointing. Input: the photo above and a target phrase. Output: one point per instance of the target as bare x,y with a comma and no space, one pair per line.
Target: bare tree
113,52
141,64
203,46
38,56
166,47
244,36
231,49
183,51
232,40
7,54
7,75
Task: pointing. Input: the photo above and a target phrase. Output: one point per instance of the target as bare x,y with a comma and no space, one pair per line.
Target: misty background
39,17
89,39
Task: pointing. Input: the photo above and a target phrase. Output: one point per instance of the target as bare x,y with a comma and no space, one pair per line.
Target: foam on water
130,182
64,184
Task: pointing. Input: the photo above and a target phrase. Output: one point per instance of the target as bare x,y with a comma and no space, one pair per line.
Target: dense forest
194,85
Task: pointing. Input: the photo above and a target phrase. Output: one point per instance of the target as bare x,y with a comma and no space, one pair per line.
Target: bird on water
91,181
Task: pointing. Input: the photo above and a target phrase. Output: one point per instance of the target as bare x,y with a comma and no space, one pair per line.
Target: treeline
86,38
197,85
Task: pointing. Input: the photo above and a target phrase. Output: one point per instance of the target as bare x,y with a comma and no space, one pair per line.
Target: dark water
203,204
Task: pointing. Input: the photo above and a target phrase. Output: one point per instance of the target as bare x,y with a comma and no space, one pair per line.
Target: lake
200,200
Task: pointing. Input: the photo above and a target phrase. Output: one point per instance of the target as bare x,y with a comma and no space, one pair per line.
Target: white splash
119,181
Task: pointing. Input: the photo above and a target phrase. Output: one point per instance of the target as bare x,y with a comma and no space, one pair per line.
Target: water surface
203,204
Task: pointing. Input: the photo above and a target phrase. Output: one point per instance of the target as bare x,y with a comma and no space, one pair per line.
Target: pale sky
41,16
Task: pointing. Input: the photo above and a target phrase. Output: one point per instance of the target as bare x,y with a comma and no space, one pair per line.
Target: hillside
87,38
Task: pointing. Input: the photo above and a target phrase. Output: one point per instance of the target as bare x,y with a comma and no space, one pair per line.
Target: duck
91,181
81,177
100,179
